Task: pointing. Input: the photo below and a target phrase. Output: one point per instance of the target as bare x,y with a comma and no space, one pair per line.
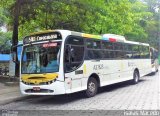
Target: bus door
117,62
73,60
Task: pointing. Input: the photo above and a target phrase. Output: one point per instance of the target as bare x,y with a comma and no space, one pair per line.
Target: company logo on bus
42,37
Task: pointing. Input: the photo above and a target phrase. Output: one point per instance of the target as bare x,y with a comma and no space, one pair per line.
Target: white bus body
74,75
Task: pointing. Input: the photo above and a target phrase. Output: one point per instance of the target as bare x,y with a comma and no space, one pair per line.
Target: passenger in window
66,56
52,65
72,54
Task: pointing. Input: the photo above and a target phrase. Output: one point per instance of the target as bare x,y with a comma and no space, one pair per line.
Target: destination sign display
50,45
42,37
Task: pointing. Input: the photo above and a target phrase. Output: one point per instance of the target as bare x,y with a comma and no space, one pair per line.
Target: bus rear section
154,60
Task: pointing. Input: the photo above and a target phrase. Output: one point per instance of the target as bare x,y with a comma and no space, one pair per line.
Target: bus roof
107,37
138,43
154,49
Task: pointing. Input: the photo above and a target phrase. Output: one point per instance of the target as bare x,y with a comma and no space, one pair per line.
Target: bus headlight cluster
27,83
49,82
42,83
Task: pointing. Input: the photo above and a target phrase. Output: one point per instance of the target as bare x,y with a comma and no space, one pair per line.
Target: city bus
154,60
58,62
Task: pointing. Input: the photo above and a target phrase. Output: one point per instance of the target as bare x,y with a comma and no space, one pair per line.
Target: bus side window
69,54
74,53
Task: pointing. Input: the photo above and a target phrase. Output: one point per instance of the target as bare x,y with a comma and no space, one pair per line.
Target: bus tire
135,77
92,87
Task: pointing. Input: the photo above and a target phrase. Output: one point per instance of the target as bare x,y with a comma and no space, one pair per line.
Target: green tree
140,16
5,42
153,24
134,19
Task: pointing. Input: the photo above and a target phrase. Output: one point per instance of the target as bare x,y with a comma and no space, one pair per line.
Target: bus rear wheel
92,87
135,77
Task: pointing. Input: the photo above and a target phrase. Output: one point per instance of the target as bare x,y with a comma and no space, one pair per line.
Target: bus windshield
41,58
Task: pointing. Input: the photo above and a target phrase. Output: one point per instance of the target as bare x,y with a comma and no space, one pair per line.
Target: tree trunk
15,34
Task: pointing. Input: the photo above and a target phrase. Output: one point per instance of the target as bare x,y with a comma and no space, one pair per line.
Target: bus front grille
39,91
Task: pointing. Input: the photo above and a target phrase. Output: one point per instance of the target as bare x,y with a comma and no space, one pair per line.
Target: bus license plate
36,88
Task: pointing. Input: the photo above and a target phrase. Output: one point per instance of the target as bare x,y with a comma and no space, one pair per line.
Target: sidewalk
9,90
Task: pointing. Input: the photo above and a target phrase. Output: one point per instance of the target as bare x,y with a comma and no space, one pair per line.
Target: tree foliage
5,42
153,24
134,19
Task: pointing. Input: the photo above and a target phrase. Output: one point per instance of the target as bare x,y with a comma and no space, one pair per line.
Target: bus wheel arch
92,85
94,75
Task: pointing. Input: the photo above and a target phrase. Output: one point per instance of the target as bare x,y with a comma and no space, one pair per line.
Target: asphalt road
123,96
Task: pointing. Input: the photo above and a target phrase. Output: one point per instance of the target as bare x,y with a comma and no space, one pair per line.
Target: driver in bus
52,65
31,67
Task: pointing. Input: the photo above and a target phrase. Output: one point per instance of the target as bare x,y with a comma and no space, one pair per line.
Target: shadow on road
116,86
64,99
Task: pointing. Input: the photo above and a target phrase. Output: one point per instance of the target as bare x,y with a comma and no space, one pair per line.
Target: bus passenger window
107,45
74,53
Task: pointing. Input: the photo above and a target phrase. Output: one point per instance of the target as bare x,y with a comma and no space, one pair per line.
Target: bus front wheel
92,87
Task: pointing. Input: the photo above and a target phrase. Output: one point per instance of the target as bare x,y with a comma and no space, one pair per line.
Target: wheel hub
92,87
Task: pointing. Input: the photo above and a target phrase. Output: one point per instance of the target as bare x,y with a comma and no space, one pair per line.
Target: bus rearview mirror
71,54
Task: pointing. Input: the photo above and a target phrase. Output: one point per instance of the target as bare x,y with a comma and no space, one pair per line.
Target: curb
11,83
8,79
19,98
13,100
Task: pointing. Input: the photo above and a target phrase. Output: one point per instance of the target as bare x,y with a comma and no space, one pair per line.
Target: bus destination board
42,37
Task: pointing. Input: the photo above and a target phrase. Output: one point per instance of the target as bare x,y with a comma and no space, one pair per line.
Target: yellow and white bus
61,62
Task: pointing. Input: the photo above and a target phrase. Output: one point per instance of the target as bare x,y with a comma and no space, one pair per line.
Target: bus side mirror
67,54
71,54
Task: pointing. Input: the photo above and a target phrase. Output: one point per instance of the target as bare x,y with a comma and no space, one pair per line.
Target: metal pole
158,38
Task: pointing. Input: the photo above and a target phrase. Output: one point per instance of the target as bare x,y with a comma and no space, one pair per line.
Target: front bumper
55,88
